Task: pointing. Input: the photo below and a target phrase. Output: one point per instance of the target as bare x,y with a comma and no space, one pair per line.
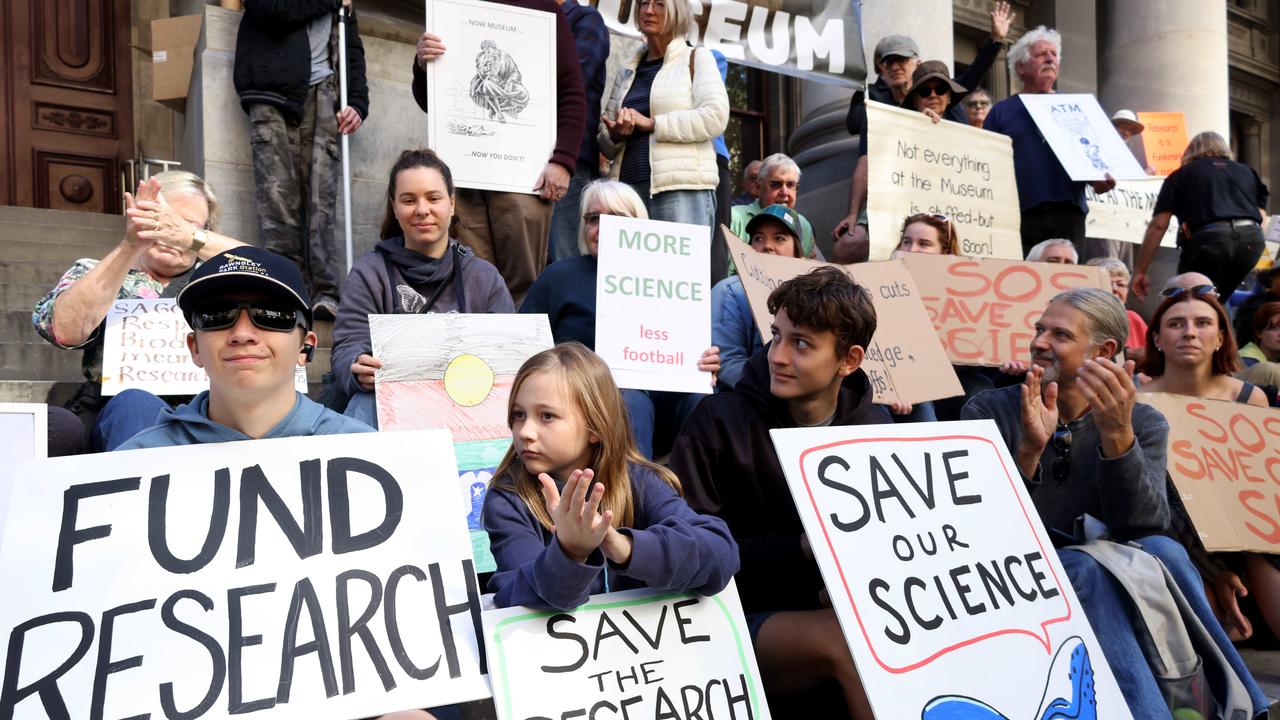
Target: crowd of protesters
584,501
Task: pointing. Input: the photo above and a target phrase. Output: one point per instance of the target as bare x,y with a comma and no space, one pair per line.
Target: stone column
1251,142
821,144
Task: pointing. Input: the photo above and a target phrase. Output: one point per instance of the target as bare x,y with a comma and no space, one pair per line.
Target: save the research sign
949,593
302,577
634,654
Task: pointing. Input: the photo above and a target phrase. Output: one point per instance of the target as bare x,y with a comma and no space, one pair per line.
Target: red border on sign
844,581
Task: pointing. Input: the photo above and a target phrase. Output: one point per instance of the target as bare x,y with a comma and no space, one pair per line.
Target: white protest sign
635,654
1082,136
1123,213
653,303
326,576
145,348
24,435
941,574
964,173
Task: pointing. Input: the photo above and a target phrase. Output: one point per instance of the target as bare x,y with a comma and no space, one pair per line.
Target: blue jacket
675,549
733,329
190,425
566,292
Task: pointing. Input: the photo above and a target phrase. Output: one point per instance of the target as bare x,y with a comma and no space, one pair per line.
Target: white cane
346,140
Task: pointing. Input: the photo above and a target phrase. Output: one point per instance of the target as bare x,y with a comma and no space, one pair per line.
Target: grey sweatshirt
1126,492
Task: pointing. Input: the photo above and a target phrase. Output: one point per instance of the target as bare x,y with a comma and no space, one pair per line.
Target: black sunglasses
272,315
1061,440
934,89
1196,290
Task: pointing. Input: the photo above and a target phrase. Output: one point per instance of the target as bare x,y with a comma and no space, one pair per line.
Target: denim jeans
1225,254
567,216
696,207
657,413
1184,573
363,408
124,416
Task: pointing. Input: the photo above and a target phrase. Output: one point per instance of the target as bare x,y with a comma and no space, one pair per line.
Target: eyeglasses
1061,440
934,89
975,104
270,315
591,218
1195,290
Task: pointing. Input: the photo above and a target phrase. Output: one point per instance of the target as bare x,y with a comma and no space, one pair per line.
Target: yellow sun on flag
468,380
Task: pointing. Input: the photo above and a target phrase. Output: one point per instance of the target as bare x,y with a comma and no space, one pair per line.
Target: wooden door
66,103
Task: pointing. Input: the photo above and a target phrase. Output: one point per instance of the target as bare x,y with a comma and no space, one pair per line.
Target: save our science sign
653,303
942,575
301,577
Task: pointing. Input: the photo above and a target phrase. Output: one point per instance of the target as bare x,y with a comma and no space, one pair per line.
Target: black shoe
325,309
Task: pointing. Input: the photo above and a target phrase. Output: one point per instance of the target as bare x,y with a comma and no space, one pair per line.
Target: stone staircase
36,247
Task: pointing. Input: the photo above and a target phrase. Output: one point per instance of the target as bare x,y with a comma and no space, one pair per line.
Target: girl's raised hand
576,519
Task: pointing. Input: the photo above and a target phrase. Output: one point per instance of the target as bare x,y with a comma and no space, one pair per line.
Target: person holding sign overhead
1220,205
667,105
1052,204
558,533
416,267
808,375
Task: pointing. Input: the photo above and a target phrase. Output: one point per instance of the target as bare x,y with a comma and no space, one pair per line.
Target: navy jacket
273,56
675,549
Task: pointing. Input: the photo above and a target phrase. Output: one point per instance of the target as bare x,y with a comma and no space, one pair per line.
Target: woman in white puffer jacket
667,103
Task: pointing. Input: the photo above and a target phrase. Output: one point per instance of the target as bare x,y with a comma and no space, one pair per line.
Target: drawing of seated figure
497,86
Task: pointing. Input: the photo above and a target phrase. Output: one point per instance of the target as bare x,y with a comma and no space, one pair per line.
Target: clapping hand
576,519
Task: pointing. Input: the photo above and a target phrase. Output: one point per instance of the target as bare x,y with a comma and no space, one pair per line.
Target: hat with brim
246,270
1126,118
934,70
778,212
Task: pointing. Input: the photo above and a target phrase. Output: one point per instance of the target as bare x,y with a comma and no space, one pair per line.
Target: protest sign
493,95
1123,213
454,371
653,303
1164,138
966,174
819,40
637,654
144,347
299,577
1224,458
1082,136
985,310
24,435
942,575
904,361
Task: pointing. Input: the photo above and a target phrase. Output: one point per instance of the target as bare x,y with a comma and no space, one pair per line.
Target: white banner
145,348
323,576
1123,213
634,654
942,575
492,96
1082,136
24,435
653,303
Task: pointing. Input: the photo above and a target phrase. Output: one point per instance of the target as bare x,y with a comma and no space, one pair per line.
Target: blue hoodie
190,425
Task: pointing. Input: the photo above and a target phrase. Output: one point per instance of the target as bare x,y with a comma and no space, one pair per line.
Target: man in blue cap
251,316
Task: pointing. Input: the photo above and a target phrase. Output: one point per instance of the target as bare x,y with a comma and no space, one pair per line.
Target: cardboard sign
985,310
1082,136
1164,138
145,348
1124,213
964,173
24,435
1224,458
301,577
904,361
653,303
631,654
942,575
454,371
174,42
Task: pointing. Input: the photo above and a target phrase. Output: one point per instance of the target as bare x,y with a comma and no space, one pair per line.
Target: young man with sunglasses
250,315
1093,459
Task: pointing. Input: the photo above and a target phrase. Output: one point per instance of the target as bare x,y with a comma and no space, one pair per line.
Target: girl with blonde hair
574,509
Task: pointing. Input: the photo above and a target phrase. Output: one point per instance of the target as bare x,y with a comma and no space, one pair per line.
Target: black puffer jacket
273,55
728,467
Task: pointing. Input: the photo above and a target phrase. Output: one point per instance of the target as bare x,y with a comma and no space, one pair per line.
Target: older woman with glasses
668,103
976,106
169,228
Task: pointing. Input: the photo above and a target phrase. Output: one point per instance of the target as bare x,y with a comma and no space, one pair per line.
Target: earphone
309,350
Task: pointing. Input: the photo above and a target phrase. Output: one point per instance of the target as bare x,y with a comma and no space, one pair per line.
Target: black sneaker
325,309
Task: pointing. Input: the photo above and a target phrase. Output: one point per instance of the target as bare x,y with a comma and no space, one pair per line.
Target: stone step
37,391
38,360
21,296
39,272
54,251
15,326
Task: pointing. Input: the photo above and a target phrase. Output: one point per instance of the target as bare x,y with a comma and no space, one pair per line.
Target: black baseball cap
246,268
